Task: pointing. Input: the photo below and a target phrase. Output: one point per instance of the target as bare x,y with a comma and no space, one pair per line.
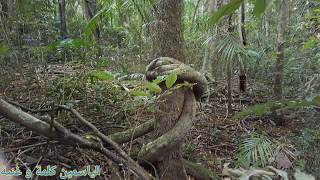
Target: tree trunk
169,35
169,29
62,15
243,40
90,12
229,87
207,62
207,65
229,70
281,41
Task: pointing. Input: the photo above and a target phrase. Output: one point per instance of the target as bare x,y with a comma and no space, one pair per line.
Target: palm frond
227,48
256,150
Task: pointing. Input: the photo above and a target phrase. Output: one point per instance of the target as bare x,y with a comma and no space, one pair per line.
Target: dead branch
103,137
65,136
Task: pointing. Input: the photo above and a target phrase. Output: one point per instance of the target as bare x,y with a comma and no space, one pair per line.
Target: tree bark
177,109
170,43
242,32
243,40
281,41
62,15
229,70
229,87
207,65
169,29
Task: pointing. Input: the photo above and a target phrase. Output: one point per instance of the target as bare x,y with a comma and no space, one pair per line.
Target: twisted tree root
175,120
155,150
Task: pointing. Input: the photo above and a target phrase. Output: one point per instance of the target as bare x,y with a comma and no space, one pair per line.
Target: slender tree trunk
207,65
229,70
90,12
243,40
267,23
281,41
62,15
207,62
242,32
229,87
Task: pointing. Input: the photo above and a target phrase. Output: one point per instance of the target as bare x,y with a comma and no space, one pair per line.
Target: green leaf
93,22
91,26
224,11
316,100
259,7
171,79
255,150
3,49
311,43
159,79
153,87
140,93
102,75
260,110
103,63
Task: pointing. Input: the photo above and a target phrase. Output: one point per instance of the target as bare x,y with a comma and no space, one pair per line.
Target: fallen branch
24,108
192,169
64,135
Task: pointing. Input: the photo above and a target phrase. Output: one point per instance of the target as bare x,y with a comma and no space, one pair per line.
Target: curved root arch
175,120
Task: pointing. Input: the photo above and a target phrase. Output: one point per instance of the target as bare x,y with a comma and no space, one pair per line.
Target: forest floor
214,140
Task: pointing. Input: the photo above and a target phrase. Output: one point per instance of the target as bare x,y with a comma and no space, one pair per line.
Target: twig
24,108
25,147
103,137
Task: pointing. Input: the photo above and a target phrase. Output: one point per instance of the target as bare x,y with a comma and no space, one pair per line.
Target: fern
255,150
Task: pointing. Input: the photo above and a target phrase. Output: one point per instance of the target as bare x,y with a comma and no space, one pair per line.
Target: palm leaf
255,150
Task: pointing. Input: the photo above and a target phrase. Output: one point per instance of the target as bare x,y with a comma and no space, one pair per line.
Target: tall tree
63,22
243,40
170,42
281,43
229,70
207,65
